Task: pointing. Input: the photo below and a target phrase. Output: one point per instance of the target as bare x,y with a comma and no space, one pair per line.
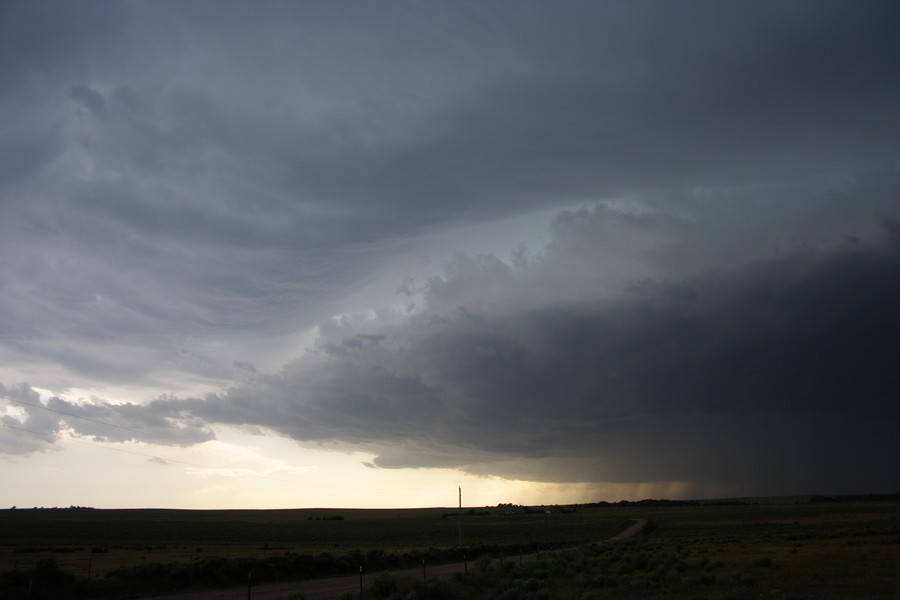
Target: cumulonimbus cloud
757,375
724,319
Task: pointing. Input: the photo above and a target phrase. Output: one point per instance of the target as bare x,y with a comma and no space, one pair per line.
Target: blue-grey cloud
761,375
34,431
41,423
187,187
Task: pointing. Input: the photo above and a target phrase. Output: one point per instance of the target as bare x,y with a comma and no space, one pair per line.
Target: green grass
174,548
770,549
302,530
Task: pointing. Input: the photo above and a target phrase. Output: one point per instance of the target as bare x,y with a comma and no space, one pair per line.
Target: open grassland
103,535
765,549
173,549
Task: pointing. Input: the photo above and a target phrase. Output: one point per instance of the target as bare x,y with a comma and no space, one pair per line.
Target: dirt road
334,587
632,530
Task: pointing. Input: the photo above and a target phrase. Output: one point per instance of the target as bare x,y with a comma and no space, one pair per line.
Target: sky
362,254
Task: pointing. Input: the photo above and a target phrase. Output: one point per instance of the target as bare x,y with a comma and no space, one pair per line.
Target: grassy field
766,550
771,549
97,545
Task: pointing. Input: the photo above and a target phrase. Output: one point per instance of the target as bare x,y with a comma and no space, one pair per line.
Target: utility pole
459,519
547,523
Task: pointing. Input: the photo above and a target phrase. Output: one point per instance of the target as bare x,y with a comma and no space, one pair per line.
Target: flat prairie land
759,549
766,548
101,540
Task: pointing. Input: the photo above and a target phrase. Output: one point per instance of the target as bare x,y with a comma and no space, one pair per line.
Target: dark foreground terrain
775,548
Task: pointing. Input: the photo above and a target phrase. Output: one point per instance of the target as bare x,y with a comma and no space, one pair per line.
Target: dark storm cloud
757,376
90,99
738,94
184,186
25,151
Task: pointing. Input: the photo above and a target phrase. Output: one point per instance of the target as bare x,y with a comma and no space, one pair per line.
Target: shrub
46,571
383,585
432,589
483,564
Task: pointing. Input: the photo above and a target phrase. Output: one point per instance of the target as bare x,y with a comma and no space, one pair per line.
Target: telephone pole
459,519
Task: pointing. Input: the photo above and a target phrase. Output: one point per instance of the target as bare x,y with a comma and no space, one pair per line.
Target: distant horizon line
645,501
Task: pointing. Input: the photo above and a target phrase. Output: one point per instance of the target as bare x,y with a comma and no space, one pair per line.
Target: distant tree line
469,513
856,498
516,509
73,507
665,502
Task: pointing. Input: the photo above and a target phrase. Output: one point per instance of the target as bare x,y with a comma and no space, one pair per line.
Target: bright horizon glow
241,471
